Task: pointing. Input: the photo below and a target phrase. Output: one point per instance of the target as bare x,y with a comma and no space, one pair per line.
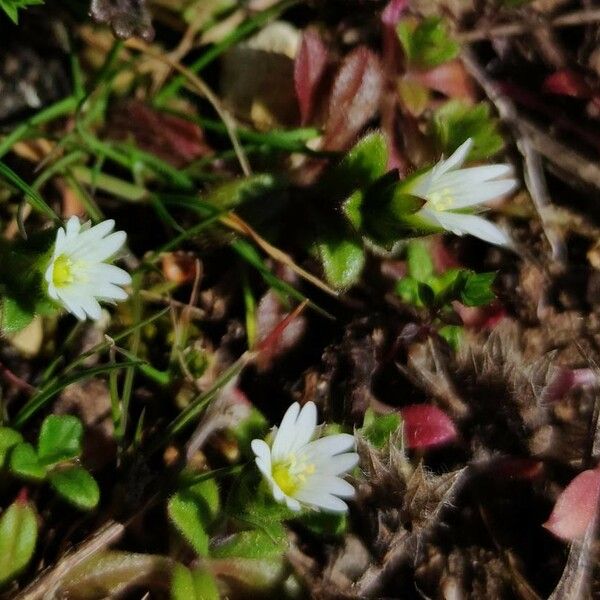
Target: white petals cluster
304,472
448,188
78,274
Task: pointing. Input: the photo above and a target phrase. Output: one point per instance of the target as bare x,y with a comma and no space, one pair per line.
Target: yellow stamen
290,476
442,200
62,273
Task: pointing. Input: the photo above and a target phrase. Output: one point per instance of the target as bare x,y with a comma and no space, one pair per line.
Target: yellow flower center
62,273
291,476
442,199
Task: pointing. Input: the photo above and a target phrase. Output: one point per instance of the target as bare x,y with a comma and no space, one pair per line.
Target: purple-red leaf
426,425
173,139
576,507
309,67
564,380
354,98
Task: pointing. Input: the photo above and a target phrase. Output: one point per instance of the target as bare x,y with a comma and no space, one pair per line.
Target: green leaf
408,289
426,44
8,439
76,486
252,427
420,265
60,439
325,524
343,261
193,585
22,289
24,462
234,193
352,208
18,536
36,201
456,121
192,510
477,290
453,334
253,544
378,428
362,166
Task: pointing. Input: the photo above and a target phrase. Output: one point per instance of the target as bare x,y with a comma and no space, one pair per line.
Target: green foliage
18,536
8,439
456,121
22,289
12,7
324,524
59,439
24,463
253,543
58,445
193,585
377,429
453,334
422,288
192,510
231,194
76,486
426,44
343,259
252,427
361,166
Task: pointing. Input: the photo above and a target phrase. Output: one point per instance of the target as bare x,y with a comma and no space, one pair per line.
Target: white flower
304,472
448,188
78,275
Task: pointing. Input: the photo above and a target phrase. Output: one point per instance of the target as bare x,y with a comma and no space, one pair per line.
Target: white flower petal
285,433
323,500
103,249
328,446
455,160
72,304
109,273
292,504
262,450
306,423
335,465
473,225
472,195
73,227
329,485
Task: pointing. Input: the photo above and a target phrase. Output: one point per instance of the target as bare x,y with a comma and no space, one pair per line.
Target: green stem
54,111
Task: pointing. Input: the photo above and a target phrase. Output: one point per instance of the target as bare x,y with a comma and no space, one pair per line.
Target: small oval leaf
24,462
576,507
18,536
426,426
60,439
76,486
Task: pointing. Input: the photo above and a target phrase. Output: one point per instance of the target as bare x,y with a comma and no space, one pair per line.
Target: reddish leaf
450,79
576,507
426,425
480,317
354,98
171,138
278,330
393,11
564,380
309,67
567,83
